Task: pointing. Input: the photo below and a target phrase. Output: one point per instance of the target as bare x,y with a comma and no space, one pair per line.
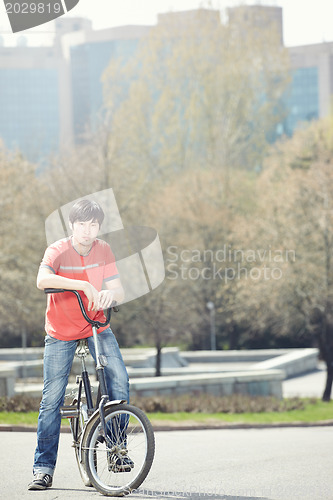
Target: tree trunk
329,380
233,339
158,360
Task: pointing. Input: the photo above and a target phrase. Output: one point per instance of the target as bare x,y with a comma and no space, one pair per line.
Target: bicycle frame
114,441
102,398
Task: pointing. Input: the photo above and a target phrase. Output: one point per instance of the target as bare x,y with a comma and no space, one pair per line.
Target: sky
305,21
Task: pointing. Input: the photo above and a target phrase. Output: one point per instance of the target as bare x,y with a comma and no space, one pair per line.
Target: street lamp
211,307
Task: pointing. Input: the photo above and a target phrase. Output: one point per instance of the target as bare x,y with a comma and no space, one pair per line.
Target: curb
235,426
191,427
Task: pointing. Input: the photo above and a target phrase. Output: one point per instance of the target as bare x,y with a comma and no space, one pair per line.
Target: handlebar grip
54,290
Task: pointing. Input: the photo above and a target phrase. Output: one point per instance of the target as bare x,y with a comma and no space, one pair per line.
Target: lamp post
211,307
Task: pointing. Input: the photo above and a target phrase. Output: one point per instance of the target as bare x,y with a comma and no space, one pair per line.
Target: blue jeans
58,358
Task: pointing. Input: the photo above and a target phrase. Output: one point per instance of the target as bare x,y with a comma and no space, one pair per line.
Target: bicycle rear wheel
120,467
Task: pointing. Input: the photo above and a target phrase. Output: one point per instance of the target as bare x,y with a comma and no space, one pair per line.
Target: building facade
311,90
30,118
88,56
49,96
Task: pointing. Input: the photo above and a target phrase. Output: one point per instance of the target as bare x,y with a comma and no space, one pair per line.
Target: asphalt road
247,464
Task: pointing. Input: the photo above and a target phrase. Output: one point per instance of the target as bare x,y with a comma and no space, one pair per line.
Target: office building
258,16
88,54
311,90
35,97
30,116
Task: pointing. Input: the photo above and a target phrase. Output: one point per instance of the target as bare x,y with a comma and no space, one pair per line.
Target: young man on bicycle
84,263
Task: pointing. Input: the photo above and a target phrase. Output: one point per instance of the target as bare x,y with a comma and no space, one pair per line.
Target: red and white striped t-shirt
64,319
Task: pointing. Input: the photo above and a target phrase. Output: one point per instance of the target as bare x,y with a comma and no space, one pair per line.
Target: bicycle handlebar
97,324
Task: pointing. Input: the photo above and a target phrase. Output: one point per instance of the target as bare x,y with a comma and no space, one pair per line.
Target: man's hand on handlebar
93,297
98,301
105,299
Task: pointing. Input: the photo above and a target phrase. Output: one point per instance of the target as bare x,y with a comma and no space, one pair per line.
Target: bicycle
113,441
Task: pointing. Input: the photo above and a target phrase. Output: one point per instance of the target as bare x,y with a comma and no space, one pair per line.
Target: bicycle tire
76,445
132,435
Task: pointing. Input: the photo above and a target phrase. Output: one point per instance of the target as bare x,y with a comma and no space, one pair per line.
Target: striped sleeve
51,259
110,269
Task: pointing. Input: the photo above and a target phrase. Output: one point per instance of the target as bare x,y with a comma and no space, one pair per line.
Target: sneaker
119,463
40,481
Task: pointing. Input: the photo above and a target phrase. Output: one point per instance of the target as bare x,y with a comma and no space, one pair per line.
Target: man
84,263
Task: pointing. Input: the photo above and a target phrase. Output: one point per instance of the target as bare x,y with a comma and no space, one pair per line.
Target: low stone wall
263,383
256,383
141,363
233,356
7,380
171,357
293,363
21,354
217,372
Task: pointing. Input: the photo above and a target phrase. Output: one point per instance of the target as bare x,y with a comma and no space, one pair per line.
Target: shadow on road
69,492
162,495
173,495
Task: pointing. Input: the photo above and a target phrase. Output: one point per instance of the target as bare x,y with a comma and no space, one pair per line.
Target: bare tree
22,234
296,200
196,94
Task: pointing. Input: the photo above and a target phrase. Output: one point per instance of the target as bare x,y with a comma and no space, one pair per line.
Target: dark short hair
85,210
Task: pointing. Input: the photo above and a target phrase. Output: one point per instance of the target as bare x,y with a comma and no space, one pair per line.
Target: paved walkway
308,385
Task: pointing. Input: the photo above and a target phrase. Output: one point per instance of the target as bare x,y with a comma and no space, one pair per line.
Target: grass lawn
17,418
313,412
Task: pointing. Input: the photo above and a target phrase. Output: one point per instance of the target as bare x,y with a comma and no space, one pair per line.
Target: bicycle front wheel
117,467
76,425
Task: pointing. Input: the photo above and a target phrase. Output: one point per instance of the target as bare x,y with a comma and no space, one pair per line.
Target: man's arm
47,279
114,293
